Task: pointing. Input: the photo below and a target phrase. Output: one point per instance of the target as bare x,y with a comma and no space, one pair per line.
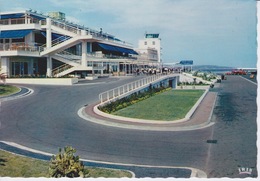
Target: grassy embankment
12,165
167,106
6,90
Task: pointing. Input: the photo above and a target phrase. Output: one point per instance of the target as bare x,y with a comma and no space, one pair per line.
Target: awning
117,49
14,33
108,47
11,16
36,17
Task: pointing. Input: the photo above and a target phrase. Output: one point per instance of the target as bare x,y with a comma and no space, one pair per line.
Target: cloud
192,17
185,26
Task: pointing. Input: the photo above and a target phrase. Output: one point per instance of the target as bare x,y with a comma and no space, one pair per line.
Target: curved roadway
47,120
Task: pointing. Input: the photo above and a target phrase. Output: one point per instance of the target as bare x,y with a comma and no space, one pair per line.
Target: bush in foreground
65,164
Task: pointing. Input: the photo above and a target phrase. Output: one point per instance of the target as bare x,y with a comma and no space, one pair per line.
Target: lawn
8,89
12,165
167,106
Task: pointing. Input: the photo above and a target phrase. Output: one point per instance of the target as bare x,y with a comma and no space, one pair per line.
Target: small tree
2,77
65,164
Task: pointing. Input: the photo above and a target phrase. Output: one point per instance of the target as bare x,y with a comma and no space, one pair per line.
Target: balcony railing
16,21
18,46
74,28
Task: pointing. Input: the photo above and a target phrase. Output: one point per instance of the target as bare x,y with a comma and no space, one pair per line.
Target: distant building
57,15
150,47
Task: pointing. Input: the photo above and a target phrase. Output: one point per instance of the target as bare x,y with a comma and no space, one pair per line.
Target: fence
127,88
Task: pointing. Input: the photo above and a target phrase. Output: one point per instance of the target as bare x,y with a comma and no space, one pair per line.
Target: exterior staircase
70,61
72,36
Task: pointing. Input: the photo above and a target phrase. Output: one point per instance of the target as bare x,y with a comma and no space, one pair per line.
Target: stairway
70,61
59,44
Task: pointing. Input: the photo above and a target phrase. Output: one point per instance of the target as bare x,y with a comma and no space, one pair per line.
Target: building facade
150,47
33,44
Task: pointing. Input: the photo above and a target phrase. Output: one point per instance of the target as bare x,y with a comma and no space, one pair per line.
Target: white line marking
248,80
194,171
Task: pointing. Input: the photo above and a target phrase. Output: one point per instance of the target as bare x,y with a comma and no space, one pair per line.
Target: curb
1,97
135,120
150,125
12,97
194,172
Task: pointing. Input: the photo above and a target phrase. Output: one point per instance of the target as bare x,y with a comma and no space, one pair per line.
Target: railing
70,56
105,56
18,46
56,41
77,28
125,89
64,26
74,28
61,69
29,20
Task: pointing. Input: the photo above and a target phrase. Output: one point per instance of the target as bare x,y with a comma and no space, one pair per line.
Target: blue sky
210,32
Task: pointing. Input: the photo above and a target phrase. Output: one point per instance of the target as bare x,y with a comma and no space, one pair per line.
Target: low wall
43,81
193,87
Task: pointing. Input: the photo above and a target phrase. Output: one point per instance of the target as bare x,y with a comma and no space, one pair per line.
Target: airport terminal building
37,45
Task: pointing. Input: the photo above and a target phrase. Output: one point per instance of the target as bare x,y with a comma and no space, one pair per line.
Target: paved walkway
200,119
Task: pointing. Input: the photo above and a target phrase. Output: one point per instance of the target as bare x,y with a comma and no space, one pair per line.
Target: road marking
248,80
8,98
194,172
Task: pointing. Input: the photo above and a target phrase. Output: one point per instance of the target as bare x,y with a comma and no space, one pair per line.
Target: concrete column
84,54
102,72
49,67
30,66
5,66
29,38
48,33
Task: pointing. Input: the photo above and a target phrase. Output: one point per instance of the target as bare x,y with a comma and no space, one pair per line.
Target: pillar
48,33
30,66
49,67
84,54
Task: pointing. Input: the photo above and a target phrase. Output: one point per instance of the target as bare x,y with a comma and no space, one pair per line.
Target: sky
209,32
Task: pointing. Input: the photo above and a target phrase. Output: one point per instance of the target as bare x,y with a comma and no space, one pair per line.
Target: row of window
145,43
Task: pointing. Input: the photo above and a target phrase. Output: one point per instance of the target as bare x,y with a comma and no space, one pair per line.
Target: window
19,68
145,43
153,42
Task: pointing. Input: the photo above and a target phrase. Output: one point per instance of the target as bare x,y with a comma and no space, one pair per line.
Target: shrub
132,99
65,164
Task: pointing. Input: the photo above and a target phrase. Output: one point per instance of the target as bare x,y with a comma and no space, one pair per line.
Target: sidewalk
200,119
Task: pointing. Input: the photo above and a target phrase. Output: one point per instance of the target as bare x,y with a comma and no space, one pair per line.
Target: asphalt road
234,130
48,119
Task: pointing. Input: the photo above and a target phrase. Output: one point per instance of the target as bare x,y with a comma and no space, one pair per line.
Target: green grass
167,106
12,165
8,89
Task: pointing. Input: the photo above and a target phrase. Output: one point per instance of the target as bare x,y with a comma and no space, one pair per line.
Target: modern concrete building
150,47
33,44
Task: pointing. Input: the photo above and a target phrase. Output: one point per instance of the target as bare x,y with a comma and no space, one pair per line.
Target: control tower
151,41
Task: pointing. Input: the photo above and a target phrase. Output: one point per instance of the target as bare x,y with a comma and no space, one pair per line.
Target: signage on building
186,62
